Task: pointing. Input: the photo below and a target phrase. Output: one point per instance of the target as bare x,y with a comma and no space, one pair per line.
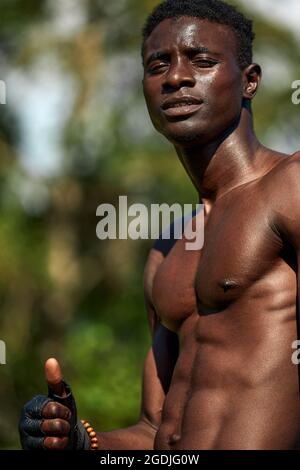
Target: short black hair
215,11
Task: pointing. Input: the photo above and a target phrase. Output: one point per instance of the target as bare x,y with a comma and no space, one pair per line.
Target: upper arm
286,203
162,356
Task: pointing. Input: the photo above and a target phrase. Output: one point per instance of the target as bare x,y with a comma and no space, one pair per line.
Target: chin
185,131
185,136
188,133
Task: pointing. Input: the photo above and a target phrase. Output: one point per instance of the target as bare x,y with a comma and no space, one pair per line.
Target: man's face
193,84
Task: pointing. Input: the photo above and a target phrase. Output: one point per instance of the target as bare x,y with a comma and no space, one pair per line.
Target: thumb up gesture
50,422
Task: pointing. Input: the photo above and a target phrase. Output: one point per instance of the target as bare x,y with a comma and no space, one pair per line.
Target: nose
179,75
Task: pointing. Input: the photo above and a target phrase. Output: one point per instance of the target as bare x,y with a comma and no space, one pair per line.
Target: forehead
186,31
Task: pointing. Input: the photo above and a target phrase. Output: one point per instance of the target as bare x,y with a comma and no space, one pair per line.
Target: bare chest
240,252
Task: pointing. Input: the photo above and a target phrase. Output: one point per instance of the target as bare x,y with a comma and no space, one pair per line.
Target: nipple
227,285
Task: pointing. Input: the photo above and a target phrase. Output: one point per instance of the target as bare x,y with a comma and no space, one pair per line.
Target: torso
233,306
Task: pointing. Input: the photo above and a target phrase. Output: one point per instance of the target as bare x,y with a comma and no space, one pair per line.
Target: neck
218,167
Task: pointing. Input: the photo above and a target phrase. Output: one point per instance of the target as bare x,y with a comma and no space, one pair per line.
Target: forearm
158,369
140,436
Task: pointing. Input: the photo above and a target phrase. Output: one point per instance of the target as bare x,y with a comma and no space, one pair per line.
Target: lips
183,106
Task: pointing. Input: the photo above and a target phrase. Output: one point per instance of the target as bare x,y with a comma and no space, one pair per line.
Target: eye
157,68
204,63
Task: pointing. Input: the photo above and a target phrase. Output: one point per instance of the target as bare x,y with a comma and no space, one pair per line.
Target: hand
50,422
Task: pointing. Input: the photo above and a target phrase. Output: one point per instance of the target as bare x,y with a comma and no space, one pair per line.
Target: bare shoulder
281,188
159,252
283,180
286,164
154,259
161,249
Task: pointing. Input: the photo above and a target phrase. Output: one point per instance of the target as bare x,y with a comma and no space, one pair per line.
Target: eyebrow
163,54
156,56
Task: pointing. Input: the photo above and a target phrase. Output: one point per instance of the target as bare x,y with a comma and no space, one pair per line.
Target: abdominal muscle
234,385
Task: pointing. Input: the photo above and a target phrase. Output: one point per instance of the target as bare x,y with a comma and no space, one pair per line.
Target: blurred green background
75,133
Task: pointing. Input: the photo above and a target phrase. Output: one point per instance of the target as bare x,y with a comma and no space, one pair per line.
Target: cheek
224,94
151,97
151,89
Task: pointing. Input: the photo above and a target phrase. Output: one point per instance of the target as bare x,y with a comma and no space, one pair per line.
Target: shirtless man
219,374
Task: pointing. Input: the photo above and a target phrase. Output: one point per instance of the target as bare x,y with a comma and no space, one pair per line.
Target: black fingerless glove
78,437
31,435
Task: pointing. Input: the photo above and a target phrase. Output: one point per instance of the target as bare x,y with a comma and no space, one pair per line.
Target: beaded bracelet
91,433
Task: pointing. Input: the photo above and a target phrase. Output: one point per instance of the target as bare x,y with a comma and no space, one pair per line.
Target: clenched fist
50,422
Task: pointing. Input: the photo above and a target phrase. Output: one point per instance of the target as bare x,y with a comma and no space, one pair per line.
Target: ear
251,80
